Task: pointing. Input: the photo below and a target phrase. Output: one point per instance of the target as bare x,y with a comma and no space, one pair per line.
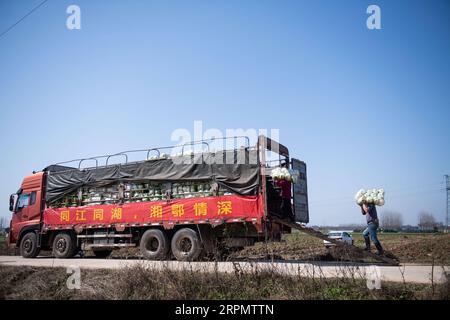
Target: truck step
102,236
107,245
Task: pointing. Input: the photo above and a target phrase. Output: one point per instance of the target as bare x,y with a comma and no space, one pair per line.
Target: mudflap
207,238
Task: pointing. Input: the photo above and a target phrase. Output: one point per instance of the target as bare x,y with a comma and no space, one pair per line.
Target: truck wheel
29,246
186,245
64,246
102,253
154,245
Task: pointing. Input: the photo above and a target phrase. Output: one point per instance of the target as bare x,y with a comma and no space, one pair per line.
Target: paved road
409,273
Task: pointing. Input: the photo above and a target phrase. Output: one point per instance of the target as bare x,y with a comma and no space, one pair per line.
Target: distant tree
391,220
427,220
352,226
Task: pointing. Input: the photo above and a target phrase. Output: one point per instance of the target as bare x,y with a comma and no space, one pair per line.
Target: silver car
343,236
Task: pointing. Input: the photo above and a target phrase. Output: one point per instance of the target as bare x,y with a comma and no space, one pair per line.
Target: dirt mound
424,249
406,248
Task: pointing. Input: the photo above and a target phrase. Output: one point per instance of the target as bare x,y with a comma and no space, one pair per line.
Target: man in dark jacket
370,211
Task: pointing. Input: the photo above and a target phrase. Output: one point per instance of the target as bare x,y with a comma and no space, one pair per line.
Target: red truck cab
27,207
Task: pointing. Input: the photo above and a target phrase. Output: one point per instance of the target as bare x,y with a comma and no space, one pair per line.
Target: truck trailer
183,206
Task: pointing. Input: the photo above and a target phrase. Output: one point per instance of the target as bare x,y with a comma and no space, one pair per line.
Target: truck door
28,207
300,192
24,212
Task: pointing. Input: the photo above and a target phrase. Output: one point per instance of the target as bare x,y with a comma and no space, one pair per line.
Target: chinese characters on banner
186,209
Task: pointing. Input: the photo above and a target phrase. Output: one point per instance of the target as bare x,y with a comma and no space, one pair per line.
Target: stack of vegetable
136,192
284,174
161,156
372,196
281,174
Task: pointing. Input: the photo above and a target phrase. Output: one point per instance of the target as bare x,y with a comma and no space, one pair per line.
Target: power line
447,180
394,190
411,187
348,200
400,192
21,19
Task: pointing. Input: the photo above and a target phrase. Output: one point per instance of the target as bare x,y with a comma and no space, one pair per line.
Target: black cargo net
152,180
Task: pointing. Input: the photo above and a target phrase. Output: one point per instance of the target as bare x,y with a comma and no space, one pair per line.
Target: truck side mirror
12,201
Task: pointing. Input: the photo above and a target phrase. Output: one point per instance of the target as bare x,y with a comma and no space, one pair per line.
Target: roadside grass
4,250
138,282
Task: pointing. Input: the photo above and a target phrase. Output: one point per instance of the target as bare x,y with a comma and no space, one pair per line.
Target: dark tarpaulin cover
239,178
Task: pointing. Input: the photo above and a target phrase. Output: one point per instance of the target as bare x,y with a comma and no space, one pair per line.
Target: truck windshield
24,200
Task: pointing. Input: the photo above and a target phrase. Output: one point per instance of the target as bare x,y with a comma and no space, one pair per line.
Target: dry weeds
139,282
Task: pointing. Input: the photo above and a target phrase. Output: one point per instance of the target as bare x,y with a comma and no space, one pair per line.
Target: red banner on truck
191,209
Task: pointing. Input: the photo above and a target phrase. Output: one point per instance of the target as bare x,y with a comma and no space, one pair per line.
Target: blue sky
364,108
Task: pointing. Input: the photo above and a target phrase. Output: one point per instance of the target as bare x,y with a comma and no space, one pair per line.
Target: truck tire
186,245
102,253
64,246
29,246
154,245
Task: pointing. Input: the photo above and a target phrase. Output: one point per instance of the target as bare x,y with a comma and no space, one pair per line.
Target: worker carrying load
283,179
368,200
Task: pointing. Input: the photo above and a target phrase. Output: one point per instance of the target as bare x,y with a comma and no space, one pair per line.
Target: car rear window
334,234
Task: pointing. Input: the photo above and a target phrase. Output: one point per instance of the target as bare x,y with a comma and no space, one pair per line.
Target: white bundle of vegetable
162,156
374,196
281,174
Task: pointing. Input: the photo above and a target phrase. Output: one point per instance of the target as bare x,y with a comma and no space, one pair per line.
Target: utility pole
447,180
